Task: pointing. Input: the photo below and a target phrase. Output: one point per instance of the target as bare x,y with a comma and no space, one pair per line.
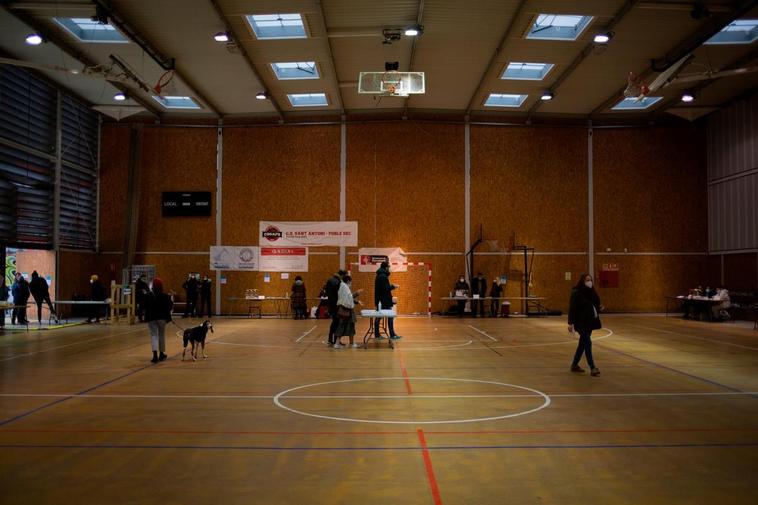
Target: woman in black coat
584,316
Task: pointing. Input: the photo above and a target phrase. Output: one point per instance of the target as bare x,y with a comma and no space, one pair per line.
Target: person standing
297,298
583,317
205,297
479,287
140,292
495,292
190,289
4,291
461,289
383,299
345,313
20,292
332,288
97,294
41,293
158,307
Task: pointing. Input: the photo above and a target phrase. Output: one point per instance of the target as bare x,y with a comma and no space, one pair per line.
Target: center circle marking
280,396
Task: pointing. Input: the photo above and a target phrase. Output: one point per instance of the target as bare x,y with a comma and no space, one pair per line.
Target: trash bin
505,309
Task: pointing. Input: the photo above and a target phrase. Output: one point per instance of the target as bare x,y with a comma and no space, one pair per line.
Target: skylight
526,71
741,31
308,99
558,27
295,70
635,104
87,30
177,102
504,100
277,26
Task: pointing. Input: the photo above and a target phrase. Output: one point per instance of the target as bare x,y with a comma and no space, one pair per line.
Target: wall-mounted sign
369,259
308,233
234,258
284,259
186,203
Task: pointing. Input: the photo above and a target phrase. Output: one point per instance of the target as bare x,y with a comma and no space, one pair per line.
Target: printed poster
284,259
369,259
234,258
308,233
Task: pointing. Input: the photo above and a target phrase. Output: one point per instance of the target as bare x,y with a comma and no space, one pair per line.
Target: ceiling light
34,39
602,38
688,97
120,96
261,95
547,95
221,37
414,31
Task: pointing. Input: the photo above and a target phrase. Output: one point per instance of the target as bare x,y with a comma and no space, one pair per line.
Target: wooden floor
463,411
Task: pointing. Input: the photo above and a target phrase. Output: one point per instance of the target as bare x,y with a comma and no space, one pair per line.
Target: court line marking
442,347
433,487
278,403
685,445
306,333
713,341
483,333
572,341
68,345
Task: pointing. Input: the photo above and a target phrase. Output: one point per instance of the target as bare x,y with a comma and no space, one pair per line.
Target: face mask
588,284
461,279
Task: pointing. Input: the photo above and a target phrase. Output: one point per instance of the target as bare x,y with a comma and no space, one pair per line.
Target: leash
183,329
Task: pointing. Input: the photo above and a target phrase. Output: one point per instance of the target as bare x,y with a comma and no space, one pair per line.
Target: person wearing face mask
205,297
383,299
584,316
461,289
297,298
478,287
495,293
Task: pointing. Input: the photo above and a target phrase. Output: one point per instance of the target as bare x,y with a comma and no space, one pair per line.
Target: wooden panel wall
114,174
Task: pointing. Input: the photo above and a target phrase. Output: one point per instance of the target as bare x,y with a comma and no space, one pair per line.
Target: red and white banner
369,259
284,259
308,233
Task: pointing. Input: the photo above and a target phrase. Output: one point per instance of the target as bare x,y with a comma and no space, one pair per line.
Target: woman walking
584,316
346,313
158,306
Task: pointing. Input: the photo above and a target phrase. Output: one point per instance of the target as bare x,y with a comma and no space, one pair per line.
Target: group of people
478,287
21,290
694,310
194,288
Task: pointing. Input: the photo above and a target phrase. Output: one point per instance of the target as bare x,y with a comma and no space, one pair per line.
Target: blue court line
373,448
711,382
61,400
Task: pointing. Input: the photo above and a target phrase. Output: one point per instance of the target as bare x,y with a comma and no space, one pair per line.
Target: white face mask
588,284
461,279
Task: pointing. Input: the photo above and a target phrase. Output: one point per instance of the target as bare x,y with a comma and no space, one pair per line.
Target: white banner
369,259
308,233
284,259
234,258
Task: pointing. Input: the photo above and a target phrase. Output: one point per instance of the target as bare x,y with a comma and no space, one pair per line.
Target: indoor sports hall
409,252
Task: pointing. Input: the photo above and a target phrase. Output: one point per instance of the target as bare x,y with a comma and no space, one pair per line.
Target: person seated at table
495,291
719,310
461,289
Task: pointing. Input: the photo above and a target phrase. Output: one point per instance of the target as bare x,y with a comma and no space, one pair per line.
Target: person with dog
205,297
97,294
140,292
583,317
190,289
297,299
345,313
158,307
383,299
332,288
20,292
41,294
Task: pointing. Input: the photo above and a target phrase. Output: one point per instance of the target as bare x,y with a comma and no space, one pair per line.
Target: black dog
196,336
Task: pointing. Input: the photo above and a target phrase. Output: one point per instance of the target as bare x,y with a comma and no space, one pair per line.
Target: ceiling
463,50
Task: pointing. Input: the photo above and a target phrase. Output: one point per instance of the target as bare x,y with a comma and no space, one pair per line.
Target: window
295,70
635,104
526,71
504,100
87,30
558,27
308,99
741,31
277,26
177,102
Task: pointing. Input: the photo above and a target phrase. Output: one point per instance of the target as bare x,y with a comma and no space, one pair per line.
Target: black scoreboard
186,203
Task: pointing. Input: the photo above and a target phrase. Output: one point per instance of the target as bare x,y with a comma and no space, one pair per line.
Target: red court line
429,469
405,374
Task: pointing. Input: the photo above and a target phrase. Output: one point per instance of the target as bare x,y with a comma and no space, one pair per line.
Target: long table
537,299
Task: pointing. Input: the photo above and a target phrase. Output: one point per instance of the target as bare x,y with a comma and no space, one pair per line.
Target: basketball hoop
163,81
636,87
392,83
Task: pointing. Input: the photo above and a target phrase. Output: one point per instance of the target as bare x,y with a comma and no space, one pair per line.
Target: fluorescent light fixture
504,100
87,30
558,27
517,70
601,38
635,104
119,97
308,99
177,102
688,97
261,95
547,95
277,26
221,37
741,31
34,39
414,31
295,70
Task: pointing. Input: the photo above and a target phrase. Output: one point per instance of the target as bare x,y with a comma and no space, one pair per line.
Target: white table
373,315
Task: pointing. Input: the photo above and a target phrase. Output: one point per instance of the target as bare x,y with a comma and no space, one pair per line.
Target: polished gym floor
462,411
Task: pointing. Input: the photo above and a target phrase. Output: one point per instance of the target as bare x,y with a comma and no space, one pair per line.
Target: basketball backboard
391,83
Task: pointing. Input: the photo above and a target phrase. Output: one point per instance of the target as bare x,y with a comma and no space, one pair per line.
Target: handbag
343,312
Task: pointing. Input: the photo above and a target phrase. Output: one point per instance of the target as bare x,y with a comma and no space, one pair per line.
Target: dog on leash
196,336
